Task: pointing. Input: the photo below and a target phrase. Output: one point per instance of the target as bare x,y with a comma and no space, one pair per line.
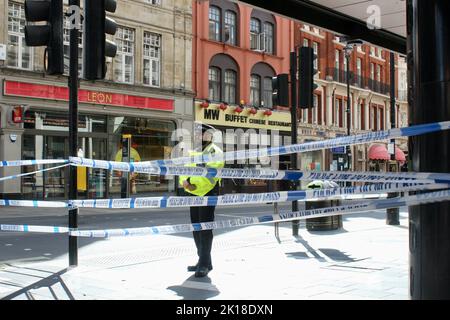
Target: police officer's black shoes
194,268
202,272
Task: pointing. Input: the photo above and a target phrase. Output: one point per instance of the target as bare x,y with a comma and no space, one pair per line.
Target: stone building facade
147,93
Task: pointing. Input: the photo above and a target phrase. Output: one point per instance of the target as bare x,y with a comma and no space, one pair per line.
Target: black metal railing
358,81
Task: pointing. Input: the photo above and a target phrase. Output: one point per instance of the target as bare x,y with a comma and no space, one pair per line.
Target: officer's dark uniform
204,187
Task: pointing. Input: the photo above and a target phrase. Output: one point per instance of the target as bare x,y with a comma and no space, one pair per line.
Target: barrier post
73,134
393,214
294,133
126,156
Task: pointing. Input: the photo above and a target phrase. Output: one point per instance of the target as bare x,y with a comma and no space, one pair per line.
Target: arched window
268,37
261,85
262,32
214,23
214,83
255,34
230,27
223,21
255,90
223,79
230,86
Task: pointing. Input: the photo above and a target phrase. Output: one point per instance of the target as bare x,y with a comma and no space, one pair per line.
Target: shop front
104,117
245,129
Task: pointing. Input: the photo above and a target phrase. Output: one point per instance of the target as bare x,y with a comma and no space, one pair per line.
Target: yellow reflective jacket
204,184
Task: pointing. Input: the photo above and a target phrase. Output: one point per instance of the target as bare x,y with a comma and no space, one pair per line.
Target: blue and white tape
16,176
263,174
282,217
34,229
425,198
257,198
309,146
32,204
21,163
230,199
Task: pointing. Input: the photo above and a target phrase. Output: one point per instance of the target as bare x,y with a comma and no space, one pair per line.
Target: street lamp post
348,51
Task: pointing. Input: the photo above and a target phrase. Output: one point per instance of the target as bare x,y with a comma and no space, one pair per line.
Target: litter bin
323,223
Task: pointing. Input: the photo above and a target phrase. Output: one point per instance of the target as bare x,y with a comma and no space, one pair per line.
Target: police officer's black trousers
204,239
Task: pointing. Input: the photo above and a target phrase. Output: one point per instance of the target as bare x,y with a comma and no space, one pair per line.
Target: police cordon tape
31,173
21,163
307,147
228,199
276,151
425,198
255,198
262,174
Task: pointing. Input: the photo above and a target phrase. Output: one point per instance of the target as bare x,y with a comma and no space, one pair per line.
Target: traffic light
96,46
280,90
307,72
49,34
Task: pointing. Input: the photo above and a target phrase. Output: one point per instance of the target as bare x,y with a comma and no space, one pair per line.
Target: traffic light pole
392,214
73,134
294,133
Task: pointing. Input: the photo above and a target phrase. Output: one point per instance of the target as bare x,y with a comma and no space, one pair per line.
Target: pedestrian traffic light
307,72
96,46
280,90
49,34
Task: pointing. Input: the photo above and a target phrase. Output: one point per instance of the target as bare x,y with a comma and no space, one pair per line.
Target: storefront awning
379,152
399,155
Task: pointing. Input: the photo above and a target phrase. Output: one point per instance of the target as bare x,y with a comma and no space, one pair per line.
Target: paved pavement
365,260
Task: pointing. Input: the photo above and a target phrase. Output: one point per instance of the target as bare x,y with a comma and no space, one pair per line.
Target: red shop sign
41,91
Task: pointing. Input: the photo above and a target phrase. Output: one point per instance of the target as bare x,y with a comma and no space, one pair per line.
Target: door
92,182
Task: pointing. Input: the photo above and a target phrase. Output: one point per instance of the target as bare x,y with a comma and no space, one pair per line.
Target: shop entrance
54,184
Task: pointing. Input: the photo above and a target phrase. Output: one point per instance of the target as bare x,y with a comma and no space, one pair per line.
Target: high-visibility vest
204,184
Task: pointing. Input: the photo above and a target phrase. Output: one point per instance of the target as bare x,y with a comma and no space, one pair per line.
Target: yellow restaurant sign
214,116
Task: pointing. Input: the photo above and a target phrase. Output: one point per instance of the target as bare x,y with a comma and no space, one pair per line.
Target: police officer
203,186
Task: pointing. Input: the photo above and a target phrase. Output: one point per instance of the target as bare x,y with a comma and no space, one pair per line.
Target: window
124,61
304,115
18,55
230,86
214,23
255,31
152,59
230,27
378,73
316,61
66,41
214,84
255,90
337,59
267,93
359,71
372,71
315,109
261,85
268,37
223,79
305,42
345,64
